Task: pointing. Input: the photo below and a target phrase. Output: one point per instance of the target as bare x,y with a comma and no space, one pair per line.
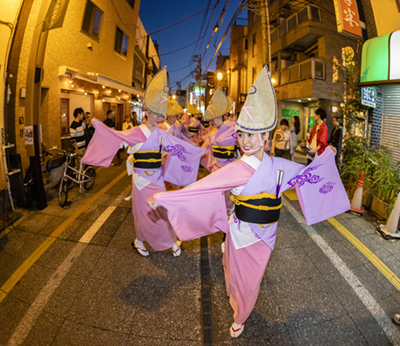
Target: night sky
158,14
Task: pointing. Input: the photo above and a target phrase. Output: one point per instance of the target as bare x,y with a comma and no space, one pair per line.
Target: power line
238,11
183,20
177,50
181,68
202,24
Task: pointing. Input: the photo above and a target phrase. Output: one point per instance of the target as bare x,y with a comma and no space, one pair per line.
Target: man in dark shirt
77,132
336,139
110,119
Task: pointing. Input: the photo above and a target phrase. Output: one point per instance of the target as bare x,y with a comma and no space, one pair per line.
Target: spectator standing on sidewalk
336,138
282,141
77,132
89,129
294,131
127,124
318,137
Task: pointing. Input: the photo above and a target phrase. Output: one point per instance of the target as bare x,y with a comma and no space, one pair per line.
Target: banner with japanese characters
347,17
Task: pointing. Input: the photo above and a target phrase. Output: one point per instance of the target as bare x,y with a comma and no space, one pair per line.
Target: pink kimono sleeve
320,190
200,209
106,142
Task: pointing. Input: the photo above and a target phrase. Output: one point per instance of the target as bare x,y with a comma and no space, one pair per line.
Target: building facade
100,59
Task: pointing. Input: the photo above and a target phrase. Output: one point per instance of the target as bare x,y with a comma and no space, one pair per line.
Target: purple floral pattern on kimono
177,150
306,177
326,188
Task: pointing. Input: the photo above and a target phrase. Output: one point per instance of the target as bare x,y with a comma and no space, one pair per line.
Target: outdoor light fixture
119,90
219,76
85,93
104,86
97,92
174,97
273,80
82,90
298,100
72,85
216,28
334,109
309,99
104,100
109,91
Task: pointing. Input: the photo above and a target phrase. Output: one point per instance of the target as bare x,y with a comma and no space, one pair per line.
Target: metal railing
308,69
309,12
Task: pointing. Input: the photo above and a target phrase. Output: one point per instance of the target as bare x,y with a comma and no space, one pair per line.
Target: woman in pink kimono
256,183
221,142
146,144
194,126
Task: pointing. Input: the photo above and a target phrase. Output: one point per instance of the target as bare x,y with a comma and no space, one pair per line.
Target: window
254,74
92,20
121,42
138,65
64,117
254,44
131,3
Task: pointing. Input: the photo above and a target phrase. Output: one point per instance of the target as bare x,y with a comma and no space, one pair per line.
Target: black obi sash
193,129
224,152
147,159
261,209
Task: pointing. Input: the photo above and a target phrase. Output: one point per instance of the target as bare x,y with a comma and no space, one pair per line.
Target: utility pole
266,34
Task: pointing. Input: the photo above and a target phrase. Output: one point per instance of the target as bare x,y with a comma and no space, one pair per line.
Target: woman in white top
294,131
127,124
282,141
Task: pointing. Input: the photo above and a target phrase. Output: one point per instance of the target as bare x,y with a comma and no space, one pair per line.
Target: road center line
20,272
22,331
371,304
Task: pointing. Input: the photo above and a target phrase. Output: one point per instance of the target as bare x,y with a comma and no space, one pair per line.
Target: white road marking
87,237
22,331
371,304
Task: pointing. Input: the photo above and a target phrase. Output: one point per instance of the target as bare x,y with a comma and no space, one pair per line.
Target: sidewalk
110,295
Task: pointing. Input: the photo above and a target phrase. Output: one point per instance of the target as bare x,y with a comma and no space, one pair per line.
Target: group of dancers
242,197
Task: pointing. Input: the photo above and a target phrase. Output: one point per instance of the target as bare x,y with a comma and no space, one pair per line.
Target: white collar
145,130
252,161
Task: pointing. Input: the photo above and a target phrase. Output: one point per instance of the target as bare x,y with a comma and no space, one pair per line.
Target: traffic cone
356,206
389,230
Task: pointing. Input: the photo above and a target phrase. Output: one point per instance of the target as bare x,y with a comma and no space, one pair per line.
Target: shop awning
96,78
380,60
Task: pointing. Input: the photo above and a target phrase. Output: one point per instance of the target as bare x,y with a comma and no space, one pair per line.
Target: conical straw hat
192,109
174,108
230,100
258,113
156,94
218,106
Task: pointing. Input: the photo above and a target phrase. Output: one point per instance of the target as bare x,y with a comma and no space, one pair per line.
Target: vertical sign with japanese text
347,18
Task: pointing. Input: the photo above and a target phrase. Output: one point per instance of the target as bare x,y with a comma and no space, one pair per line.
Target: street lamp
174,97
219,76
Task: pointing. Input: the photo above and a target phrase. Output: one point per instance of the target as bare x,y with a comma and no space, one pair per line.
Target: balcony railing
308,12
311,68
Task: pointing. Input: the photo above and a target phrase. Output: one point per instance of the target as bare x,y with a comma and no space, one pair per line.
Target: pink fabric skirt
151,225
244,270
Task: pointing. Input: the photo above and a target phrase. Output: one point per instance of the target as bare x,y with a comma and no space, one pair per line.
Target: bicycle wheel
91,174
63,193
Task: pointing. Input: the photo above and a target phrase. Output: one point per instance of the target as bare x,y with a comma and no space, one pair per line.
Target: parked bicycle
83,177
